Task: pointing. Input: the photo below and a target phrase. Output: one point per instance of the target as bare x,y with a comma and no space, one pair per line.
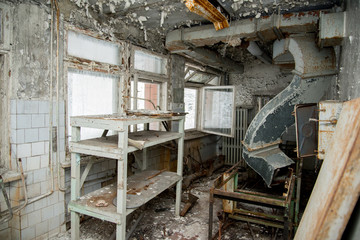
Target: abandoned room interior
179,119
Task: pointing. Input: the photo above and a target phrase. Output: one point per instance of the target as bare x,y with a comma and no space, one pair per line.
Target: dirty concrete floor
158,221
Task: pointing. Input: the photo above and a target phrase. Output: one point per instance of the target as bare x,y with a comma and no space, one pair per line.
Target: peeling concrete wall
258,79
177,76
30,63
349,77
99,16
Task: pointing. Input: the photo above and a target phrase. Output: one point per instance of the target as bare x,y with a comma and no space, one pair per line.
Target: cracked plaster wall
258,79
349,76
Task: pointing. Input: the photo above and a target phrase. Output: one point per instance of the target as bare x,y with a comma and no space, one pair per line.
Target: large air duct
262,139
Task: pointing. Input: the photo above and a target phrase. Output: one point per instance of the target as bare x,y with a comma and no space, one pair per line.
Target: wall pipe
57,95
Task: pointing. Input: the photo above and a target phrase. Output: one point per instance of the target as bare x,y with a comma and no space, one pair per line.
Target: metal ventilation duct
261,144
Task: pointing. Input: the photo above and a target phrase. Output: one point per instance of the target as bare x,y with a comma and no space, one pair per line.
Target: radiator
232,147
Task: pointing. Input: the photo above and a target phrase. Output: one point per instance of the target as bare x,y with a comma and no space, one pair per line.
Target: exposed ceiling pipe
266,29
262,139
255,50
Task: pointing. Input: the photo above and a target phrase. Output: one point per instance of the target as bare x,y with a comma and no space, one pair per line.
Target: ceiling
172,14
159,17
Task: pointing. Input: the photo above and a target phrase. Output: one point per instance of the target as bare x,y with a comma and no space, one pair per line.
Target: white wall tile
54,222
45,187
20,136
29,178
53,198
37,148
38,120
23,150
44,134
33,163
47,213
31,106
33,190
34,218
23,121
44,161
28,233
20,106
59,208
47,120
31,135
13,106
13,136
40,175
28,209
24,221
13,121
44,107
41,228
40,204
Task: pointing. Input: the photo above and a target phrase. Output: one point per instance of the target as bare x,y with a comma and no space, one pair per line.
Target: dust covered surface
158,221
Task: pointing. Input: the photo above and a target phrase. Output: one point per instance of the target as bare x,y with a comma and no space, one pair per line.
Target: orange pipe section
205,9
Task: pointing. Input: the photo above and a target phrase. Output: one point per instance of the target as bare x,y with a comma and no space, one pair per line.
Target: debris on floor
158,221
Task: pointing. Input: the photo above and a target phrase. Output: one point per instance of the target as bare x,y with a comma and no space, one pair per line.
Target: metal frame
289,201
120,152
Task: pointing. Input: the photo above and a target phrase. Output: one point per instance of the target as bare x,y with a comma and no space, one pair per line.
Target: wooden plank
179,171
337,187
108,146
139,192
117,122
121,187
75,185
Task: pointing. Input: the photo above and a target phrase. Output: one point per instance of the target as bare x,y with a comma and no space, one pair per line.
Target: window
191,100
146,96
149,84
149,62
218,110
90,91
83,46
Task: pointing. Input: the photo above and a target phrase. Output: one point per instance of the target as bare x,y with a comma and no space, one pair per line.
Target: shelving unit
140,188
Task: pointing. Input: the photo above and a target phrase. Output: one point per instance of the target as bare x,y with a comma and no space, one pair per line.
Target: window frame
144,76
232,127
197,106
200,96
77,63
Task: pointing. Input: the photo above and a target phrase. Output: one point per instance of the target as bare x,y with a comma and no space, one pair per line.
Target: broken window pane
215,81
201,78
148,91
218,110
190,100
83,46
188,73
90,93
150,63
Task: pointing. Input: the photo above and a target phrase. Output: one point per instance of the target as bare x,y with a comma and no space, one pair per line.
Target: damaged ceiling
144,22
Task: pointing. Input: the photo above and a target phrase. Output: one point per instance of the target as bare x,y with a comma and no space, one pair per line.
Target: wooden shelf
141,187
140,190
108,146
